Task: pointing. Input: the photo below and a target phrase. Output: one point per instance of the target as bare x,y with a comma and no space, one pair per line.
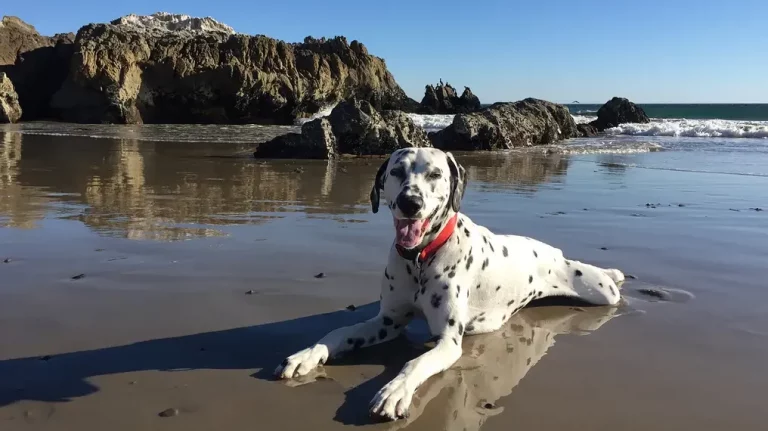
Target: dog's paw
393,400
303,362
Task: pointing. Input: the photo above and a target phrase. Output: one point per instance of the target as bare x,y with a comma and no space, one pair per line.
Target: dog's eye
435,175
397,172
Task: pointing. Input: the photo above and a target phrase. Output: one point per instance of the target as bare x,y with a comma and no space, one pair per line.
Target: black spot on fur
535,254
436,300
408,268
485,239
446,268
423,289
578,273
510,302
466,232
460,223
451,274
382,334
455,342
397,326
568,262
530,279
498,288
461,329
600,284
491,246
285,362
482,319
470,328
359,343
469,261
415,280
437,276
445,287
554,287
387,321
386,274
451,322
371,339
478,286
409,314
613,291
549,272
391,287
504,251
350,341
485,263
539,294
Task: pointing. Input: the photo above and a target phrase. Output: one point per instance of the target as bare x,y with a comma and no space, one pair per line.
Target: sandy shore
170,241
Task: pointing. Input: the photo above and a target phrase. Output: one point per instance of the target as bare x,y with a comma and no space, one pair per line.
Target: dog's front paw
301,363
393,400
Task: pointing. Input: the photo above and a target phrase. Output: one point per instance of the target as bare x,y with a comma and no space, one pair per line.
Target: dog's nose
409,204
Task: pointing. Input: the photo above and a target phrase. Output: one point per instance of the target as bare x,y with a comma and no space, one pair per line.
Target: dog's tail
616,275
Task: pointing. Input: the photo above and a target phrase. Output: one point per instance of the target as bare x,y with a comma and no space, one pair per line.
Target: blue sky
586,50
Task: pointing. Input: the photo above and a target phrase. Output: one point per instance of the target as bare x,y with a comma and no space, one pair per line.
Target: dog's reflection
493,364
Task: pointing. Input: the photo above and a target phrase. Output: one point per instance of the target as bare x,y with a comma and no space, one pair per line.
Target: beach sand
198,278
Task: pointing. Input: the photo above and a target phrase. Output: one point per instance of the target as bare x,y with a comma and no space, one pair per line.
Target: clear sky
559,50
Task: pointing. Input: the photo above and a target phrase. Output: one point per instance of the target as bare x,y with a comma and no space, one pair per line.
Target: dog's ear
378,185
458,182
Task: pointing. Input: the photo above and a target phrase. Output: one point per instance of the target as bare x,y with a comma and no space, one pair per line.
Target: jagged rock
121,73
587,130
173,22
442,99
353,127
619,111
36,64
10,110
507,125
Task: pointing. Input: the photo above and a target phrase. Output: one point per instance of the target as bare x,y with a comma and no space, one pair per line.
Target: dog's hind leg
587,282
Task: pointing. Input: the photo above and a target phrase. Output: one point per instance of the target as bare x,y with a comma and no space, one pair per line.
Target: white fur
474,284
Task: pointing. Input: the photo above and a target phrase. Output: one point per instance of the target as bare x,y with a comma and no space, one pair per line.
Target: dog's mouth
409,233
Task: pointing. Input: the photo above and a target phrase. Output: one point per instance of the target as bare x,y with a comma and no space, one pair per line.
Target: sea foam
695,128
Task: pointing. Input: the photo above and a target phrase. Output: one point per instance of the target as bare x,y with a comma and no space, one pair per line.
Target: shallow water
169,237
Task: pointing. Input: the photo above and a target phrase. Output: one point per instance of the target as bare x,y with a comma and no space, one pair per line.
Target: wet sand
198,278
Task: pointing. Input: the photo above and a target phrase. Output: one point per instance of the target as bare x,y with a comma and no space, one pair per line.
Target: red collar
433,246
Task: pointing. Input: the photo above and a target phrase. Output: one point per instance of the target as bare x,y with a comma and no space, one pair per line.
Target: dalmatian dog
457,275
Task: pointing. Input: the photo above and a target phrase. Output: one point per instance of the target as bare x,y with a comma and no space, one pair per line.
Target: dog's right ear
378,185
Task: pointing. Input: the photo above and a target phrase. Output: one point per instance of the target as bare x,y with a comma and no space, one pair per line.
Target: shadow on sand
491,367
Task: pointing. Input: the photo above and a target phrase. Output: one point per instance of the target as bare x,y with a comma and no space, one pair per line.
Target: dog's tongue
410,232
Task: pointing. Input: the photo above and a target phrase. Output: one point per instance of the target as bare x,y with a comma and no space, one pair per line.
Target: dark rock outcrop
10,110
586,130
128,74
36,64
617,111
353,127
442,99
507,125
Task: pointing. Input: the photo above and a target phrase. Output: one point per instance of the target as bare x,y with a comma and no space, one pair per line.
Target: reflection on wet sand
171,190
464,397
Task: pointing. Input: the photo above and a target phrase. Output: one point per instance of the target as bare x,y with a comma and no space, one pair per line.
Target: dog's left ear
378,185
458,182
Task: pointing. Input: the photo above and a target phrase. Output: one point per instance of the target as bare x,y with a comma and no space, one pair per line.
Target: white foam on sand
174,22
695,129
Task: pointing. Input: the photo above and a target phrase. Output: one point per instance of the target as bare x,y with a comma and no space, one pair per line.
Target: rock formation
36,64
129,73
586,130
10,110
173,22
442,99
353,127
617,111
507,125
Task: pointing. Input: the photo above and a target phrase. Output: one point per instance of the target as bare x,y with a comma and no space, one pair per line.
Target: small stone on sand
168,413
8,260
603,248
351,308
320,275
250,292
78,276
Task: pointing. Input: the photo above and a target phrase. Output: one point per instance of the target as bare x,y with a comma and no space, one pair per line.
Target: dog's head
423,188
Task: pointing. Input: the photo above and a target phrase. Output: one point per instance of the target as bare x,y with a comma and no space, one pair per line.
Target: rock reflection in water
139,189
